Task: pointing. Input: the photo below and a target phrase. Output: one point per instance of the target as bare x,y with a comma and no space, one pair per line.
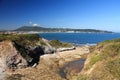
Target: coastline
39,32
52,63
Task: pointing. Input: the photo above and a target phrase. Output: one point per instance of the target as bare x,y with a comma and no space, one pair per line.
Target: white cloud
35,24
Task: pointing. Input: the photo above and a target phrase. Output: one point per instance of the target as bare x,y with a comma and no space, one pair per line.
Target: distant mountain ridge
42,29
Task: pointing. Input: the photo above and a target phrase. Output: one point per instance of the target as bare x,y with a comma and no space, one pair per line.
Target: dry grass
103,63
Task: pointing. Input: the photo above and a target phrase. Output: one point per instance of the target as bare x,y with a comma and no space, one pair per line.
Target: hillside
30,57
22,52
26,48
103,63
41,29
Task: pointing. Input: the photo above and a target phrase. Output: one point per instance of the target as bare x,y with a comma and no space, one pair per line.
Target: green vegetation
58,44
37,28
21,39
21,42
113,66
30,37
82,77
21,48
107,49
42,42
106,60
94,59
114,40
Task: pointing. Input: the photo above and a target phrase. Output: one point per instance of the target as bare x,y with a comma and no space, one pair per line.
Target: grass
21,42
42,42
114,40
106,60
95,59
82,77
109,50
57,44
113,66
19,37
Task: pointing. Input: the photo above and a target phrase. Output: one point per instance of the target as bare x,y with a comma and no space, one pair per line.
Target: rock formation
10,57
22,50
54,66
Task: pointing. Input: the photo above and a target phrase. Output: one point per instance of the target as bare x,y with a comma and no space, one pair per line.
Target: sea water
81,38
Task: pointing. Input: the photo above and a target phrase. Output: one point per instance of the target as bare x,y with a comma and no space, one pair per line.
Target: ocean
81,38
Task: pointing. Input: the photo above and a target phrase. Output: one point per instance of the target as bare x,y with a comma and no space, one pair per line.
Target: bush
31,37
57,44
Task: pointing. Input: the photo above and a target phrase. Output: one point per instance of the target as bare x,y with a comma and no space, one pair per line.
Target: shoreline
38,32
87,44
68,55
50,63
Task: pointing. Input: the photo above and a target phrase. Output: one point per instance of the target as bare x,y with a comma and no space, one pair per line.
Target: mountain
30,28
41,29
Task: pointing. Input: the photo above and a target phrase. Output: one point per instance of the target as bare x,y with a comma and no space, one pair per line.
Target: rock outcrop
65,49
10,57
54,66
22,50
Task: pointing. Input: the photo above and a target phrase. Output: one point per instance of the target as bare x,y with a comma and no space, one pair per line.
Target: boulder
65,49
48,49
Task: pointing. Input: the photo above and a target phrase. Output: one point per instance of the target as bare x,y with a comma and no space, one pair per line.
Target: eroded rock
10,57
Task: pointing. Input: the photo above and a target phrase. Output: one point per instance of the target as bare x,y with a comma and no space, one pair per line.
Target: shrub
57,44
20,37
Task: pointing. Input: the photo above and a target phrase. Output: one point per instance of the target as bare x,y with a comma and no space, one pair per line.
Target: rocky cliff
20,53
58,66
23,50
10,57
102,62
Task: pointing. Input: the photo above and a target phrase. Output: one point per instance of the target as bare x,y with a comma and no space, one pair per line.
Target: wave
87,44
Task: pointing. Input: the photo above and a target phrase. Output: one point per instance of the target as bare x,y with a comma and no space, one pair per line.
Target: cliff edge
103,63
23,50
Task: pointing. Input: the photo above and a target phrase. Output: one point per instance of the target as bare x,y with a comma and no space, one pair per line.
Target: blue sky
80,14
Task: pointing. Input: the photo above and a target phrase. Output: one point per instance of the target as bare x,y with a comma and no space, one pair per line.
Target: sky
77,14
